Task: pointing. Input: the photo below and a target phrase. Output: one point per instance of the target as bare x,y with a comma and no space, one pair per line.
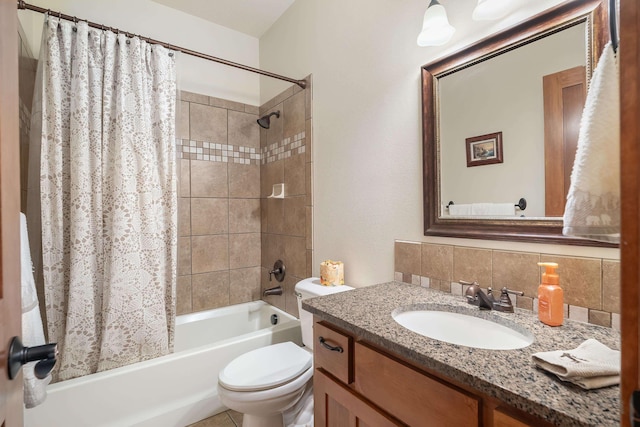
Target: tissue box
332,273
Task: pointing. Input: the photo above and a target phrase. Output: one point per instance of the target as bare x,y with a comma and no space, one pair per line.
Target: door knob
20,355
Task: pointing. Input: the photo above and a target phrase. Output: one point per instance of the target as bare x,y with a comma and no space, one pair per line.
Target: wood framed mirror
582,20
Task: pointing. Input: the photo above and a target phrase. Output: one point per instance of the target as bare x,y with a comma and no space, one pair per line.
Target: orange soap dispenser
550,296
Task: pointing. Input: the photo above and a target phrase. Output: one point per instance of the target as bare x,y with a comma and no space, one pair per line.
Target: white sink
461,329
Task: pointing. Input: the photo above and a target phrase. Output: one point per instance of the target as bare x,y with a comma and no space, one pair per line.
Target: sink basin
462,329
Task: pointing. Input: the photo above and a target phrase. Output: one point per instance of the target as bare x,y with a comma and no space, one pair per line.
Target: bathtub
173,390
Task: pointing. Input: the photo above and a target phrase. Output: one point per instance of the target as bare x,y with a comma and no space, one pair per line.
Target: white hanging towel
35,390
593,202
493,209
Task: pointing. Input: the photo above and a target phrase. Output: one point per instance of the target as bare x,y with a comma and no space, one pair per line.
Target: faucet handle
505,303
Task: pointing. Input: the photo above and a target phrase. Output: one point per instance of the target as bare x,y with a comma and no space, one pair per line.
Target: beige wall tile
183,295
309,272
309,183
209,253
184,217
407,257
275,216
244,250
309,227
209,216
282,96
244,181
524,302
472,265
208,123
295,255
263,215
518,271
252,109
185,178
244,215
273,249
270,174
308,140
294,175
611,286
290,300
243,129
294,115
437,262
184,256
244,285
225,103
295,216
210,290
209,179
580,278
308,100
193,97
276,126
182,127
601,318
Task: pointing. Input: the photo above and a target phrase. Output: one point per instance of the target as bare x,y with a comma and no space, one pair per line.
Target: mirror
490,127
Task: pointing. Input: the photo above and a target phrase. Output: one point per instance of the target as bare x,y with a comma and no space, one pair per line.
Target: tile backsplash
591,285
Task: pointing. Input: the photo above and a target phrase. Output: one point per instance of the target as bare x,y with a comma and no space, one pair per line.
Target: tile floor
225,419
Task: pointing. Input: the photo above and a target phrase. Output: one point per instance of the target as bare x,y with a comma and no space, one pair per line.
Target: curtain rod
27,6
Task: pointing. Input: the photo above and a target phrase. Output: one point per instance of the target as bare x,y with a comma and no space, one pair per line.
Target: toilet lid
265,368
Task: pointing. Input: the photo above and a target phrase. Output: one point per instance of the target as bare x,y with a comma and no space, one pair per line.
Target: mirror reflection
508,127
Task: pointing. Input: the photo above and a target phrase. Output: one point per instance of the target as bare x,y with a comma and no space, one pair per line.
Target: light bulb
436,29
491,9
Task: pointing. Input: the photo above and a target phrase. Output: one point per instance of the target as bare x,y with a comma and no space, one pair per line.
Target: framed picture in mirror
484,149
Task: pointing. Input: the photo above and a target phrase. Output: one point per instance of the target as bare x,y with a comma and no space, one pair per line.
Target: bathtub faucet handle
278,271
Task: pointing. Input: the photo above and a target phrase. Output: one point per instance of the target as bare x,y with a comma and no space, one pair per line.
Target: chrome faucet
476,296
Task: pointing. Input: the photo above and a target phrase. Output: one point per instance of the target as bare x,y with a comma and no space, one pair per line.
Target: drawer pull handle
330,347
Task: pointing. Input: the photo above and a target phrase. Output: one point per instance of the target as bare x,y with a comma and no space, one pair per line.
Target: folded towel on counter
35,390
593,201
590,365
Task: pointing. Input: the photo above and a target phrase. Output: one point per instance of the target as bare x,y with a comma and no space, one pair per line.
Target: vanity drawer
332,351
410,395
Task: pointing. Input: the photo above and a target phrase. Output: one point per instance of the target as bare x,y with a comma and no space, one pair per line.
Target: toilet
273,386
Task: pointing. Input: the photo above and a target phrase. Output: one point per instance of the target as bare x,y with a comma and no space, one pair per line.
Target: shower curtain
108,196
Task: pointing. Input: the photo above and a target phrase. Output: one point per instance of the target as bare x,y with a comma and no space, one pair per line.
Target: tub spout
273,291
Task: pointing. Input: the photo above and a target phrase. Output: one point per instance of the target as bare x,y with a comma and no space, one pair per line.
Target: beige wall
367,123
591,285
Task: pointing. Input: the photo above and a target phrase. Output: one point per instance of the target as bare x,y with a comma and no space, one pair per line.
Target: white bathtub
173,390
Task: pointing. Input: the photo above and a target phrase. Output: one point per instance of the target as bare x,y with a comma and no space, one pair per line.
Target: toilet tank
309,288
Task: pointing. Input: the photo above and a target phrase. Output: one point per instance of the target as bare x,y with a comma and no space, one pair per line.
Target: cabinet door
336,405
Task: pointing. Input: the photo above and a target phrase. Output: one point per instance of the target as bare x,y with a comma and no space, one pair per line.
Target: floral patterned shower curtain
108,195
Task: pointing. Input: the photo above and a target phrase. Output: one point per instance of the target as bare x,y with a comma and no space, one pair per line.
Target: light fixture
436,30
491,9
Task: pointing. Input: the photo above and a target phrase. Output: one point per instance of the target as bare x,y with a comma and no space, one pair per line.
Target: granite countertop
508,375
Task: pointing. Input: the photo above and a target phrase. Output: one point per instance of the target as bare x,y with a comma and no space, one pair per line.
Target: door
629,57
564,95
10,311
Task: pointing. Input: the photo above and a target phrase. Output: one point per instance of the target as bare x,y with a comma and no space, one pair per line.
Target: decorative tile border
212,152
283,149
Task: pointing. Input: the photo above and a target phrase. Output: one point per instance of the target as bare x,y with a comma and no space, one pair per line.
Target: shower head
264,121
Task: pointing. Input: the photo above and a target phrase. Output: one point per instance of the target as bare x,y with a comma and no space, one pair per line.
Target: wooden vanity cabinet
358,384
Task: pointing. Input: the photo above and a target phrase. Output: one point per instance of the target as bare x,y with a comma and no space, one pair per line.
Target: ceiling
252,17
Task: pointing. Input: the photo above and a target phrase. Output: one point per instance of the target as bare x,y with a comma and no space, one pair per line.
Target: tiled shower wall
219,203
287,223
591,285
230,232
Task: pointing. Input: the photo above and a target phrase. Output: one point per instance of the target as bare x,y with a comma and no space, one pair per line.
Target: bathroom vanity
371,371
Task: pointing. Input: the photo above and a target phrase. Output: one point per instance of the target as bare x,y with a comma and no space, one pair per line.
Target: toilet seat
265,368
